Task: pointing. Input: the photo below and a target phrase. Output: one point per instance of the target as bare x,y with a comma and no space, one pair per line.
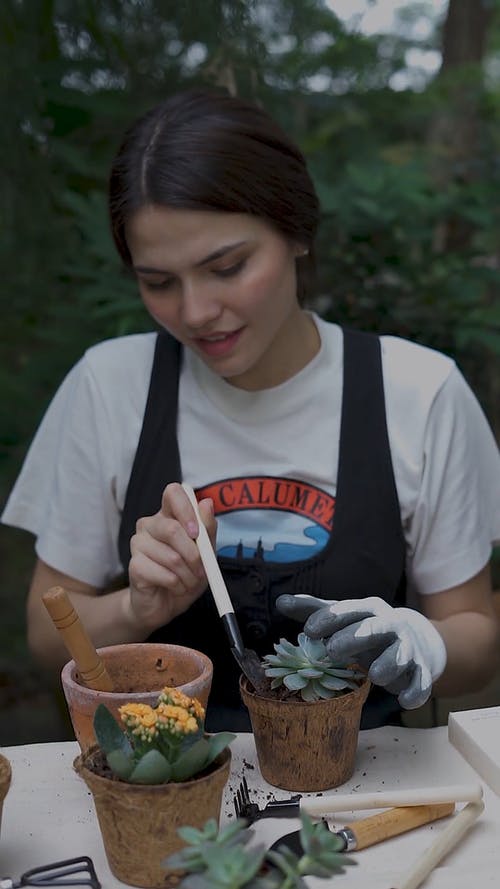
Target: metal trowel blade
251,665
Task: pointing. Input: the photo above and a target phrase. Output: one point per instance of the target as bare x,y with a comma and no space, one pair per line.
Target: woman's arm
106,618
466,619
165,577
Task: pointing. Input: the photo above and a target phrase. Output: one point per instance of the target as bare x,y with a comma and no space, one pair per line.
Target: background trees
408,178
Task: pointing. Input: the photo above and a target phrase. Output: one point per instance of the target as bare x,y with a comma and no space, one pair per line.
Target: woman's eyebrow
216,254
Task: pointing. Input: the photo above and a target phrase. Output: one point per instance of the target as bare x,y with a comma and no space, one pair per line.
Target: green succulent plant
158,744
219,859
307,669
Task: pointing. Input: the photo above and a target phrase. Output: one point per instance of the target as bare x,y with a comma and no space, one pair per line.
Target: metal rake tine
243,807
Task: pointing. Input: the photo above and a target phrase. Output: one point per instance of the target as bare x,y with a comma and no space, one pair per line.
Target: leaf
109,735
191,761
309,694
324,694
287,647
343,672
217,743
152,768
310,672
277,671
120,764
314,649
194,836
294,682
334,683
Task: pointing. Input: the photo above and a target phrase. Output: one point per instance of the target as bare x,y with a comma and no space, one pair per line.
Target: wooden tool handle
379,827
209,560
90,665
446,840
384,799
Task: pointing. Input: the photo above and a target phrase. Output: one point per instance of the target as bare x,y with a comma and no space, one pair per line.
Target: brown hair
202,150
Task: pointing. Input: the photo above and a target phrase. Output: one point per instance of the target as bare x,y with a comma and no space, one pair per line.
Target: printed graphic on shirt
277,519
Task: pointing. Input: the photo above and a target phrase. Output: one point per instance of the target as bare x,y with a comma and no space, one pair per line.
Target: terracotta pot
305,746
5,778
139,822
139,671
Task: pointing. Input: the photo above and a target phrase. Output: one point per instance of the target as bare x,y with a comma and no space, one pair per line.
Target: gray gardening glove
400,648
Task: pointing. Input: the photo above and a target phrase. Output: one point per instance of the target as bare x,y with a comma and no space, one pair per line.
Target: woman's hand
165,572
401,649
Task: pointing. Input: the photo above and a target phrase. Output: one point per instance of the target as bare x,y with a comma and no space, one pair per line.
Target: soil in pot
304,746
139,822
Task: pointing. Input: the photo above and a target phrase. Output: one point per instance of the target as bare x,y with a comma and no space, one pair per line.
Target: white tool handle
448,838
418,796
210,563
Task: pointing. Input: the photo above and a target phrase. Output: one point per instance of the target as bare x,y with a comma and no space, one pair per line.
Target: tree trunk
455,140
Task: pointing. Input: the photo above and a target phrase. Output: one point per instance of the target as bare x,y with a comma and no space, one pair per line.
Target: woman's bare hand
166,574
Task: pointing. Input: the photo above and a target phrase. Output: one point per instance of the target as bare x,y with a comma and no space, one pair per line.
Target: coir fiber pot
305,746
5,778
138,671
139,822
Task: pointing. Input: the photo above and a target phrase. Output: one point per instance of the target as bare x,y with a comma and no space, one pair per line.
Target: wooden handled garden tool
89,664
327,804
248,660
447,839
369,831
376,828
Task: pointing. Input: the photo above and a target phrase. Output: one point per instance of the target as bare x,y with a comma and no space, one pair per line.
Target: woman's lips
218,345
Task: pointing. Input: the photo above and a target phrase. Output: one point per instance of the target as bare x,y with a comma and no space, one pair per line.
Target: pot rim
70,667
221,761
5,776
361,691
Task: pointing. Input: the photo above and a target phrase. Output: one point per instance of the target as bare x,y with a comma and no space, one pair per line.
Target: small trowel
248,660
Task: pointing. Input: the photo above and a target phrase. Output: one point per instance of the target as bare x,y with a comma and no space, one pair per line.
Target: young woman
328,463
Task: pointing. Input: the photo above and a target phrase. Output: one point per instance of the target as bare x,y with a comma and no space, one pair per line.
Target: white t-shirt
268,458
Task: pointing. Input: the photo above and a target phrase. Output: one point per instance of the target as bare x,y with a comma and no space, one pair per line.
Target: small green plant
307,669
158,744
219,859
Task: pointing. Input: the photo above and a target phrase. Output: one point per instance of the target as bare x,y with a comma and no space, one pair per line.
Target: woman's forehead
189,236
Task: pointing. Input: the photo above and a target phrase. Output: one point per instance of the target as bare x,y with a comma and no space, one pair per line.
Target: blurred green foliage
403,248
408,179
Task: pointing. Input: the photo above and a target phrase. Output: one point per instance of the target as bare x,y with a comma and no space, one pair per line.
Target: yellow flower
174,696
138,715
177,698
197,710
176,720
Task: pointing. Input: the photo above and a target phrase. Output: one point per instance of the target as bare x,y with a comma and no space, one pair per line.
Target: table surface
49,814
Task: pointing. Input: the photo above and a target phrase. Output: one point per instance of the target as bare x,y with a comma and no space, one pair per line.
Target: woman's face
224,285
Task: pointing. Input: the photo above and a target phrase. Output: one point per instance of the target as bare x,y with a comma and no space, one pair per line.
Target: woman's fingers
166,573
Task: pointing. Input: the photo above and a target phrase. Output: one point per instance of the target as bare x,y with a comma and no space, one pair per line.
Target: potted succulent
218,859
5,778
150,775
138,672
306,725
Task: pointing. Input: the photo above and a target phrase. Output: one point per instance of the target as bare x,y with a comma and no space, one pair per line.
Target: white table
49,814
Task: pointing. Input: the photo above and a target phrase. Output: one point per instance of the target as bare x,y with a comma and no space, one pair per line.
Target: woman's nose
199,305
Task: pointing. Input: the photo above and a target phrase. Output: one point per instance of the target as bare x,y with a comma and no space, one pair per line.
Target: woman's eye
158,285
230,270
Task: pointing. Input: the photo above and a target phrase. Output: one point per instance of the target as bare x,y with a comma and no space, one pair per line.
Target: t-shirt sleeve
456,518
64,494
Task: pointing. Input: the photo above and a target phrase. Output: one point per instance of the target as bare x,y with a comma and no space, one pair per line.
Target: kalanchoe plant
219,859
158,744
307,669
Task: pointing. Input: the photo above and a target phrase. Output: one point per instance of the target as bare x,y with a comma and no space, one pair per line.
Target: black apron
365,555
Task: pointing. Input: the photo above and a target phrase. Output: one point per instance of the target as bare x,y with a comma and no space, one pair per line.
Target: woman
330,462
